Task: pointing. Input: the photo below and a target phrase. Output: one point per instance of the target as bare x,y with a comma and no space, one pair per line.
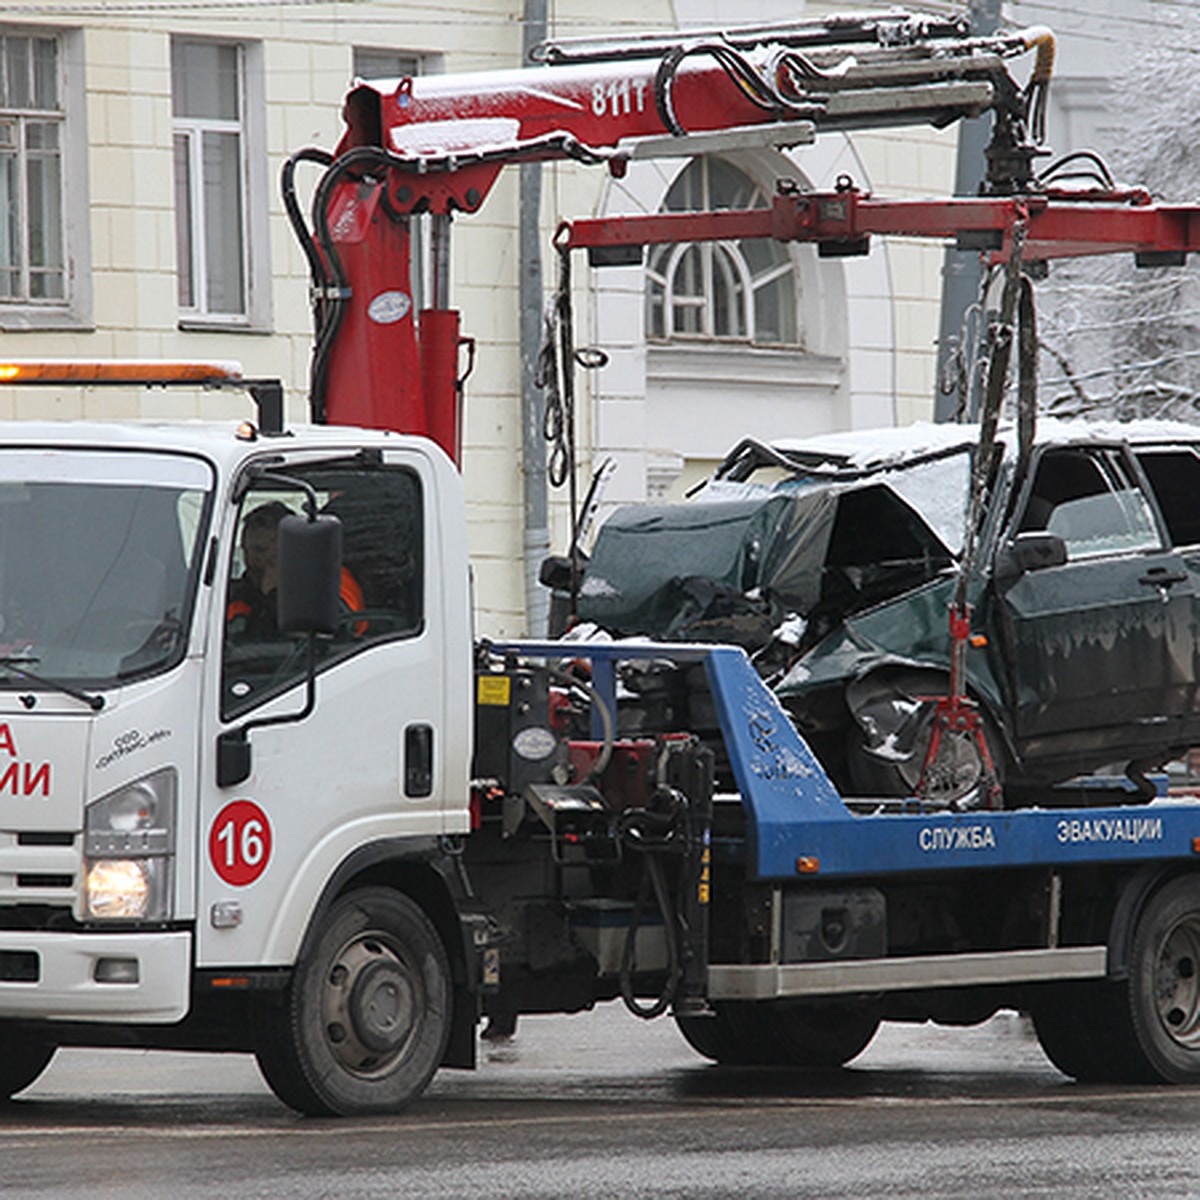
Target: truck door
368,766
1100,647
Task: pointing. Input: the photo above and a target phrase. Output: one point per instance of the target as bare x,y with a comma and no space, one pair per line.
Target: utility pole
960,268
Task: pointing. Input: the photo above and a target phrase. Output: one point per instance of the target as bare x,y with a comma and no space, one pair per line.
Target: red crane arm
436,144
447,137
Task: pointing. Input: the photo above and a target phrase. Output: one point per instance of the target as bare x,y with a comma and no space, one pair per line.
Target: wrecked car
834,561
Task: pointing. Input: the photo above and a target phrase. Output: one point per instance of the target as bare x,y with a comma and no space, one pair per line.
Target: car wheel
880,763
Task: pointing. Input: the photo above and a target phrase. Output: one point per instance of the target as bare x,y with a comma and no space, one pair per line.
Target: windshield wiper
17,667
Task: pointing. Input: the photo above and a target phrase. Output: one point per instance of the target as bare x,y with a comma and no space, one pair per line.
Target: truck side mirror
310,574
1034,550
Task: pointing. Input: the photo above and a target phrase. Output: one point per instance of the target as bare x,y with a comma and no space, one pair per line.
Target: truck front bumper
119,977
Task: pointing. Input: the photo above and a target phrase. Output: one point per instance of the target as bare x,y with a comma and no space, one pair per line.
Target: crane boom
437,145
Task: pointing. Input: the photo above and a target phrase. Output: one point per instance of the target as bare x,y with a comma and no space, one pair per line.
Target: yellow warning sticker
494,689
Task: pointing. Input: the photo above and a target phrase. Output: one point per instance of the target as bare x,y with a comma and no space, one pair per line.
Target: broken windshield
99,555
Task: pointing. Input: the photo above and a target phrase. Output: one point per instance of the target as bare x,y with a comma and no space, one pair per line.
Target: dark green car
834,561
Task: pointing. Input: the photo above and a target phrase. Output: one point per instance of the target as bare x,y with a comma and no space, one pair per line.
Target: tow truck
336,842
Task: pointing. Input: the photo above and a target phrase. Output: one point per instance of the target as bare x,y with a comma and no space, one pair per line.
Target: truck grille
38,866
45,881
45,839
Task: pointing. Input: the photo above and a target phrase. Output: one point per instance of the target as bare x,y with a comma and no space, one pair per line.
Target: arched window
733,291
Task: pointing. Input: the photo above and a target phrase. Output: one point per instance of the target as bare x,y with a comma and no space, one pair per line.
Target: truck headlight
129,850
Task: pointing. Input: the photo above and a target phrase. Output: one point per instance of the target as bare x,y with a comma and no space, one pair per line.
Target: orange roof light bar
146,371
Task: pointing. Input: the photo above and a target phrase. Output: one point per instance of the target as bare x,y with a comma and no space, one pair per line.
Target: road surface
602,1105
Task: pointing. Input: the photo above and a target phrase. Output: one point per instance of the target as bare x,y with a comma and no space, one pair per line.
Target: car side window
1089,499
1174,475
381,587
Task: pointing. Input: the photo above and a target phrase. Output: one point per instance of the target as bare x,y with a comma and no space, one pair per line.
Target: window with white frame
721,291
372,62
220,205
32,251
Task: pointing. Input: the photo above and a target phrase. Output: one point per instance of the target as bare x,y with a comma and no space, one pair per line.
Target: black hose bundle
655,833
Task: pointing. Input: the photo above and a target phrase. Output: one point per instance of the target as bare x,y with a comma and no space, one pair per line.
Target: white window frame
74,309
250,126
725,258
421,62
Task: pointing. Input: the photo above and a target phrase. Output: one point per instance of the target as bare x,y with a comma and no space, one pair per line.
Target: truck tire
367,1012
1164,982
1083,1028
820,1036
712,1037
22,1060
781,1034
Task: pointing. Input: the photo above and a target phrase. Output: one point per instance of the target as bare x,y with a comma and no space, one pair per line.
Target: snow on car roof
862,449
872,449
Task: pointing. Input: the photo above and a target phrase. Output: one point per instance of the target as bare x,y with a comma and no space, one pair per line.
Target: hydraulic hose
287,184
652,834
335,292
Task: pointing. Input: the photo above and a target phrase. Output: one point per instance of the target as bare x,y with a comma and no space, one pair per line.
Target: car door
1099,649
1173,472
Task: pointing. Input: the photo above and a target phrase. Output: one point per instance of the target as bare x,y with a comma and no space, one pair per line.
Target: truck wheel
1084,1030
1164,982
821,1036
367,1013
785,1034
22,1060
713,1037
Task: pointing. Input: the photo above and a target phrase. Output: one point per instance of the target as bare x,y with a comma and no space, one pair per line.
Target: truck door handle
418,761
1162,577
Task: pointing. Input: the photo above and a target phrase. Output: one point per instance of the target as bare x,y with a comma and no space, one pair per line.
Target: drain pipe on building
533,445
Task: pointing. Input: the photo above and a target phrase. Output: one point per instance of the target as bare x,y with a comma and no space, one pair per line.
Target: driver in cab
252,611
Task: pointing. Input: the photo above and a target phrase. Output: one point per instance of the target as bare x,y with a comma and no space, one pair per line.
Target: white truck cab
125,865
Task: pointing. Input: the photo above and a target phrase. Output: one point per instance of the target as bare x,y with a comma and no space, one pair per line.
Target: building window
44,245
32,253
734,291
219,201
372,63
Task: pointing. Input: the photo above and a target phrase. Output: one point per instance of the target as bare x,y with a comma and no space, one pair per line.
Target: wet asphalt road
604,1106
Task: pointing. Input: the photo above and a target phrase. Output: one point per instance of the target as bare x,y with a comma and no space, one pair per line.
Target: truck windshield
99,557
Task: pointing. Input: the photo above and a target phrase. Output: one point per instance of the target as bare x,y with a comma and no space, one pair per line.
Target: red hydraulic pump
437,144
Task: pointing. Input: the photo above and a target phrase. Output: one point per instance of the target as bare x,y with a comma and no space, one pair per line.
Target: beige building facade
140,153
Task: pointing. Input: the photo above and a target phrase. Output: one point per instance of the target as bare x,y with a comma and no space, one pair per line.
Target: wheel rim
956,768
370,1004
1177,983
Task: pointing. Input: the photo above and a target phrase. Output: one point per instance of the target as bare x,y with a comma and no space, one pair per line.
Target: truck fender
426,872
1136,890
